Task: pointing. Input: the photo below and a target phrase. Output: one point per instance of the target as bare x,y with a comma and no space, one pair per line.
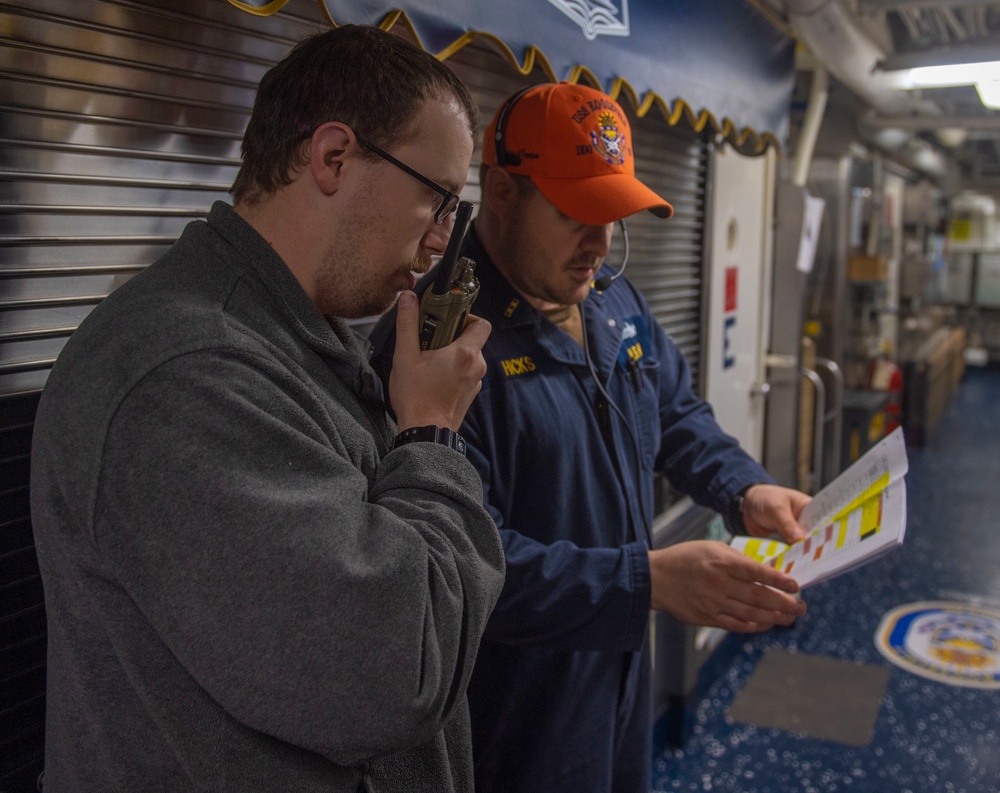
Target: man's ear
499,190
329,150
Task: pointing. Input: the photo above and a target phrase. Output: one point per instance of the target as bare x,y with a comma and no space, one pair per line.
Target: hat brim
597,200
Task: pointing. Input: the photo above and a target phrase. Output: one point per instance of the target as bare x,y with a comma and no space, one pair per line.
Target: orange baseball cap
576,145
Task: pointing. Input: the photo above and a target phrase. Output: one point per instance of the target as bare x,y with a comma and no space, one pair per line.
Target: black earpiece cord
647,527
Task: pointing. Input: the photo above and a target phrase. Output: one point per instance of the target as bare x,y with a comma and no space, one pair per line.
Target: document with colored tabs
859,516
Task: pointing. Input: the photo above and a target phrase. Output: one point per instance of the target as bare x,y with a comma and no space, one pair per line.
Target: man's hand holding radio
434,386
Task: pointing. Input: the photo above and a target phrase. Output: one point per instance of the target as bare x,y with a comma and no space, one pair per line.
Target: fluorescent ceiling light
951,75
984,75
989,93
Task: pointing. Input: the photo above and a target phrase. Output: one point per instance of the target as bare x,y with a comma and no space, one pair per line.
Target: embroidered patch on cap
609,142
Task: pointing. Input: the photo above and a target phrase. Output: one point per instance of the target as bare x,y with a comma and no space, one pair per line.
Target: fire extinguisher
884,375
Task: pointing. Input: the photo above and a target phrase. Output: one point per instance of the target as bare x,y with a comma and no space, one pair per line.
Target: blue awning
718,64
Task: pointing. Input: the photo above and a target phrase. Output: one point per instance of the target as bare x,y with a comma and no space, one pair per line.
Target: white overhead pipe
819,91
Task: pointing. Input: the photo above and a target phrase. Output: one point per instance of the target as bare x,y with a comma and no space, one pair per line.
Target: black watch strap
736,524
431,434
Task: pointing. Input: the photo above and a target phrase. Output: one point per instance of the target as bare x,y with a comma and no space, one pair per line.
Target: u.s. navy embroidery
513,367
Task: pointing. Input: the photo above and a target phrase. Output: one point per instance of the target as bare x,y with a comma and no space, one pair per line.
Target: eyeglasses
449,200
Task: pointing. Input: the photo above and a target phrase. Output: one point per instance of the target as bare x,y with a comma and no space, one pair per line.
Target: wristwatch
431,434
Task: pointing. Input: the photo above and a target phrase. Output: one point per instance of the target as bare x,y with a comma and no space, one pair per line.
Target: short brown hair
373,81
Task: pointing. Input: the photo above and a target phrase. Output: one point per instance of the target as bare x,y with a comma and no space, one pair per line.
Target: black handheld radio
445,306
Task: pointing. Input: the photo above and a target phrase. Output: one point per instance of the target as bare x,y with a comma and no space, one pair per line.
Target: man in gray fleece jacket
252,583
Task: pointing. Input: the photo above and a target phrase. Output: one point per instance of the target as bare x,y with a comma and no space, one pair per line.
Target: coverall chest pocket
644,388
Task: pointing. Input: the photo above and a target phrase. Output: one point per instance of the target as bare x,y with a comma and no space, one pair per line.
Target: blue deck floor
928,736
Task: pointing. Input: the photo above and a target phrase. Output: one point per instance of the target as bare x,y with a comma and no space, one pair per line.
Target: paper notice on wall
812,219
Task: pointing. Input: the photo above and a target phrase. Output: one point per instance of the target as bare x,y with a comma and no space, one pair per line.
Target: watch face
451,439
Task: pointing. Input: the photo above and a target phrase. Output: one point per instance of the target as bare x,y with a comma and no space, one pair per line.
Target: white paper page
885,462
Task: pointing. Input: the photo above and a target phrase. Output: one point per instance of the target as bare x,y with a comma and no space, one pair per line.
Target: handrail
819,419
836,413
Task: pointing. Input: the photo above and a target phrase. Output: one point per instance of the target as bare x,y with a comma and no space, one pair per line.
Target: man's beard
517,252
348,286
348,289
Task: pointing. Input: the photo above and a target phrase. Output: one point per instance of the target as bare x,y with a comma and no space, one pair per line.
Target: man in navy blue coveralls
567,448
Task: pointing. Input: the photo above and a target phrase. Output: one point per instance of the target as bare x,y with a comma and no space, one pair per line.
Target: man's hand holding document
857,517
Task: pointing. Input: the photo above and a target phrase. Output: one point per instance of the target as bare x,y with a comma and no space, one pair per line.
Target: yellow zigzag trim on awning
746,141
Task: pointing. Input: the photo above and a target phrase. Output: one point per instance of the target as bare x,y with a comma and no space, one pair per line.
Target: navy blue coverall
560,696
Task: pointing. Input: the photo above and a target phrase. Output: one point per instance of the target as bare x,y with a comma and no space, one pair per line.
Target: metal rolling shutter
121,123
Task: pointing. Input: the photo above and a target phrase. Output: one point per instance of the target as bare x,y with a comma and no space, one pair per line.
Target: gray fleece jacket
246,589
